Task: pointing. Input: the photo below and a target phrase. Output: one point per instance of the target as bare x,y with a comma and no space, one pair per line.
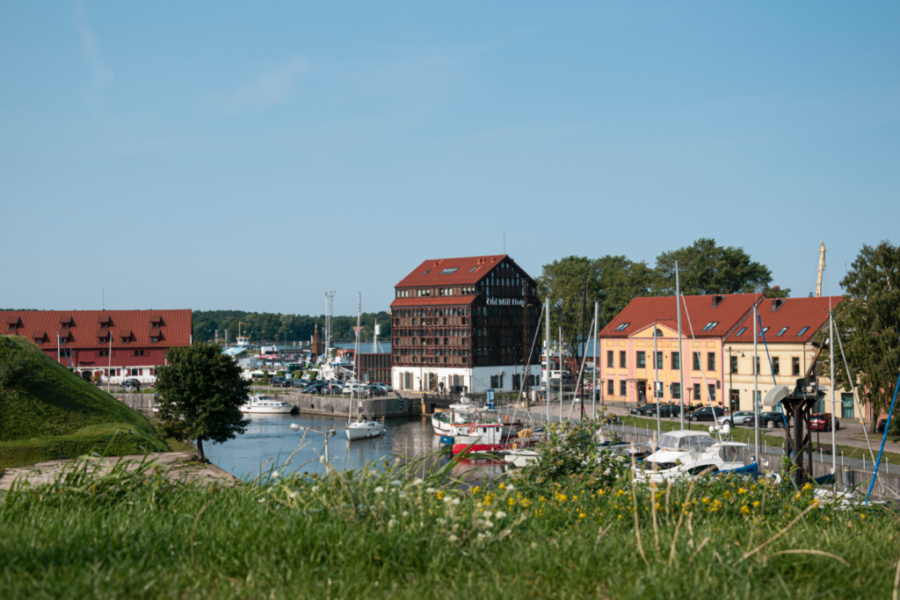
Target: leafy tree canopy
869,319
705,268
201,391
611,280
277,327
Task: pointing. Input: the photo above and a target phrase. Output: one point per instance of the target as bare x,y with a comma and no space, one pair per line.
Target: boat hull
364,430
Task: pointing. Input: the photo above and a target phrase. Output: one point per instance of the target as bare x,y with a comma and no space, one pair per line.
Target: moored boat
263,404
687,453
365,428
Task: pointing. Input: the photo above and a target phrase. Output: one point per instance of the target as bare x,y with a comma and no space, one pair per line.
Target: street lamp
325,435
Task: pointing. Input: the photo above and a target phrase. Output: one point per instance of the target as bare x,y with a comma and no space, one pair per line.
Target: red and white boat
490,437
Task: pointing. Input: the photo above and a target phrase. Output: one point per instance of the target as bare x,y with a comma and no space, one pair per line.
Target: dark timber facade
464,323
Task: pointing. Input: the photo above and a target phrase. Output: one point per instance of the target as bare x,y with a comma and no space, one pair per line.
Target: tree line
278,328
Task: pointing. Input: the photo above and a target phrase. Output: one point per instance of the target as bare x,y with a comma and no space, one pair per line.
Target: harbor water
270,443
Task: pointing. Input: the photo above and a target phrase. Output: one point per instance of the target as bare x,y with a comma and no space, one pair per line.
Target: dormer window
126,335
13,323
155,335
103,334
104,320
39,337
156,321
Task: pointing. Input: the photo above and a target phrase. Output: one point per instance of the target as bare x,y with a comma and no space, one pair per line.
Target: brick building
464,323
115,344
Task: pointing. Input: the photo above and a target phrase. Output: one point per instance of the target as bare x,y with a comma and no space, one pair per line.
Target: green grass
47,412
386,534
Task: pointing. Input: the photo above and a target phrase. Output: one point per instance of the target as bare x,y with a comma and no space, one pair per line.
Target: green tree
573,284
776,291
705,268
201,391
869,318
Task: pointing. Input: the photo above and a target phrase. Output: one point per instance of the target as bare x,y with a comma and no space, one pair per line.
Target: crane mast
821,268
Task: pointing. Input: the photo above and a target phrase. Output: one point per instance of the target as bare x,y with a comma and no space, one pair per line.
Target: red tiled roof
177,326
468,270
725,310
792,313
432,301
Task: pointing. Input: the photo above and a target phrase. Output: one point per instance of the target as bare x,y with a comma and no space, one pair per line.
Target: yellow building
785,330
640,353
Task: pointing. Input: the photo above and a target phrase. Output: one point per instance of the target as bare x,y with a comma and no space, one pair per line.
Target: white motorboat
263,404
520,457
363,429
687,453
445,423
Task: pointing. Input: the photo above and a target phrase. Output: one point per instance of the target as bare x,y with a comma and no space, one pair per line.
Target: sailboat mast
755,389
833,411
680,347
596,360
547,357
656,383
560,376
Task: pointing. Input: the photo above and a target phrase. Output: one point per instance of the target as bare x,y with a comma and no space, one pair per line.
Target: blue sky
232,155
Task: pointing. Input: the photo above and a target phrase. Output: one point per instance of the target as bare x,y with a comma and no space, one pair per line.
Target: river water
269,442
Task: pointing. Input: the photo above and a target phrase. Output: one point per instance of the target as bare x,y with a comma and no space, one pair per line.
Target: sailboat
363,427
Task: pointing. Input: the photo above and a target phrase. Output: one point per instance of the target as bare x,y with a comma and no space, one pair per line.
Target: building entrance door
642,391
734,399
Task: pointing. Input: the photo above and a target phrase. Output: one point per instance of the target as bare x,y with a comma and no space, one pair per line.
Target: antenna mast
329,303
821,268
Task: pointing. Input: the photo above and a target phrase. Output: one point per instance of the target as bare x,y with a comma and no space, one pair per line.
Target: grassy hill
47,412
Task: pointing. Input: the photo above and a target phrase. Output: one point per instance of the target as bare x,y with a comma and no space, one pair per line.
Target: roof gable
787,320
456,271
702,316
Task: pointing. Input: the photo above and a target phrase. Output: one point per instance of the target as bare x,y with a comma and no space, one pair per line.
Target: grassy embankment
556,530
47,412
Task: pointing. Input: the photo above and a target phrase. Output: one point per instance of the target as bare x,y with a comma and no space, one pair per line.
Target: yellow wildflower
806,487
440,495
745,510
742,491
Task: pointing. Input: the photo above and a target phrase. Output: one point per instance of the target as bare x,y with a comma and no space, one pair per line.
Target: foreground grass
387,534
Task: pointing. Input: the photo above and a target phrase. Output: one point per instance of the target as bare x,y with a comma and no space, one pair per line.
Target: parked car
359,389
741,417
384,387
646,409
567,380
670,410
882,424
772,418
280,382
705,413
316,388
822,422
299,383
131,385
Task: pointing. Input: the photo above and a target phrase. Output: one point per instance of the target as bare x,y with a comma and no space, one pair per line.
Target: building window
781,332
449,271
676,391
138,353
795,365
763,332
659,359
623,388
697,392
756,372
622,359
710,326
610,359
710,361
610,388
740,331
658,389
622,327
802,331
696,361
676,360
712,392
734,363
776,366
641,359
102,352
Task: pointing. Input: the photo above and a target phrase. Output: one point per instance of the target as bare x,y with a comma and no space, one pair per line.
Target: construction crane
821,268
